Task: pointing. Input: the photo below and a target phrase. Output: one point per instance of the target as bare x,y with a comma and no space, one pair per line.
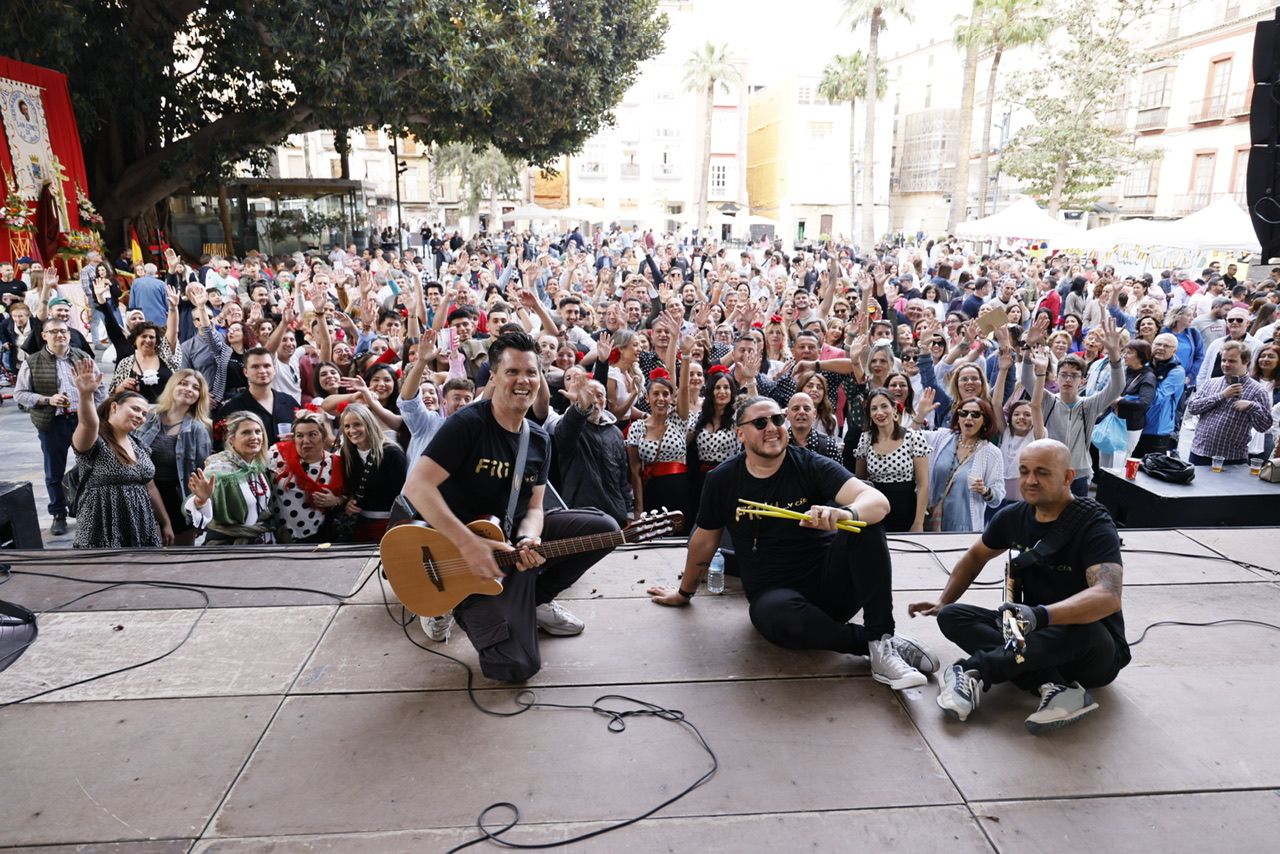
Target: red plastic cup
1131,468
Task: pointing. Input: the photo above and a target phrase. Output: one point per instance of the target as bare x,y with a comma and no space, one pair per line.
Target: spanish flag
135,246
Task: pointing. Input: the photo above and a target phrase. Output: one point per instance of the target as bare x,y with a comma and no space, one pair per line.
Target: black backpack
1169,469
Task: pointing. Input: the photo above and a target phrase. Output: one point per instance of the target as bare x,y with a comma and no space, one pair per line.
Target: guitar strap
522,455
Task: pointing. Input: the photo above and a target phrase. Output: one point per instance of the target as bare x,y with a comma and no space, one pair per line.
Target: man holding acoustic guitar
468,472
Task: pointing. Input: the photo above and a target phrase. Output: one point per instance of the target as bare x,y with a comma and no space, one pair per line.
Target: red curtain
64,135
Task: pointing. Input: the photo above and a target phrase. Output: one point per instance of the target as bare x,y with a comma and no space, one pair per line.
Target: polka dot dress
716,446
898,466
671,448
303,519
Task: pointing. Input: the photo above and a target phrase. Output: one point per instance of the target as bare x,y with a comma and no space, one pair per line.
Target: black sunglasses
777,419
969,413
910,358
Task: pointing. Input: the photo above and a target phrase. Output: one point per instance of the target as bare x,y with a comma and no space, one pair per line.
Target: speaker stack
1262,184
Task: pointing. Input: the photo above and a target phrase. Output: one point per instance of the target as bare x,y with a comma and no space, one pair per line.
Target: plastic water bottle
715,574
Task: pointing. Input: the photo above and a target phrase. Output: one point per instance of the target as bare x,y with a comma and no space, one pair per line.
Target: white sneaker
555,620
1060,705
439,628
959,692
888,667
914,654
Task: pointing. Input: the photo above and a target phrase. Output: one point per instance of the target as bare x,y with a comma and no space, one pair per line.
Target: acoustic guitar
429,576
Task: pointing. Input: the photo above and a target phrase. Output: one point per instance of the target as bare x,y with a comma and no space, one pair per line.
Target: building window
1156,87
804,95
295,166
371,139
589,163
1202,178
666,167
928,97
666,132
1141,180
719,179
630,168
1240,171
1219,80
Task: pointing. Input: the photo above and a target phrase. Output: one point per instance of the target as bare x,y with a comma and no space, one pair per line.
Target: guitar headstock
657,523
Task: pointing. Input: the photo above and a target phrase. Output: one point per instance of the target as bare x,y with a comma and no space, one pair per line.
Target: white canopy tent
1135,232
1022,220
583,213
1222,225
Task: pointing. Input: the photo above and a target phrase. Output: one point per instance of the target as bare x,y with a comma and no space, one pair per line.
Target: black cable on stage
526,700
1228,621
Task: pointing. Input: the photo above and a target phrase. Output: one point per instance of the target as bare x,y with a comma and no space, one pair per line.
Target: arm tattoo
1109,576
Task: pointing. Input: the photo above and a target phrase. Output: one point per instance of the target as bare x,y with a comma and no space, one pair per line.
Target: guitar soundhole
432,572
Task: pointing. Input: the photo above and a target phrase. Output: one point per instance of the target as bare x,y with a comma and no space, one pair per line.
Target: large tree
968,36
173,93
873,12
845,79
1006,24
707,67
1067,152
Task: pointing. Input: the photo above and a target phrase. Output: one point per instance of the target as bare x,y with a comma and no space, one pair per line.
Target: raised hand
1040,359
1110,335
201,486
927,405
87,377
604,346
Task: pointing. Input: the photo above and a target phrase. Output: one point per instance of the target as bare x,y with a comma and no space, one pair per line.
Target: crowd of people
284,399
910,388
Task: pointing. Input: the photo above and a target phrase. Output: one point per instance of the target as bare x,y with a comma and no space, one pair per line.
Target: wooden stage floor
289,722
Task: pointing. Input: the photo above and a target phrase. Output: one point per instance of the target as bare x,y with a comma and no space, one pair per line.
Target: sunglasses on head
777,419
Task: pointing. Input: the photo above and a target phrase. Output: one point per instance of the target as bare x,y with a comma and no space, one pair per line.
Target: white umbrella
583,213
531,212
1022,220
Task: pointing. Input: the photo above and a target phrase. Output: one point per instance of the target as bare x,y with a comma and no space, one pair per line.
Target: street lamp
401,168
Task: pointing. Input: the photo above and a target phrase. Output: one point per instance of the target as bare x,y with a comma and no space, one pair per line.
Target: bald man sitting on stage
1068,568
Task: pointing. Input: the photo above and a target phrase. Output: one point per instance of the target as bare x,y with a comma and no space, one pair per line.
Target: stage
1229,497
292,723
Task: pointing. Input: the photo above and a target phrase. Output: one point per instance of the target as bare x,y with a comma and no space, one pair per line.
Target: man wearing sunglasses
1237,330
804,580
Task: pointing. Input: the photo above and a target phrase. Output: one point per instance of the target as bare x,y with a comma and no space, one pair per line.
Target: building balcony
1240,102
630,170
1209,110
1152,118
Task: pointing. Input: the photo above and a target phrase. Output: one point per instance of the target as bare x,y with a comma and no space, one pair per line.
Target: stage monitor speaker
1262,184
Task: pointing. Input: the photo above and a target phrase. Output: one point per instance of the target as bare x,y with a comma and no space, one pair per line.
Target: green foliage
170,93
708,65
1066,153
484,172
845,78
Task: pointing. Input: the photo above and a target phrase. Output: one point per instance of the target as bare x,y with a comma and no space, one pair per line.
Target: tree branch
158,175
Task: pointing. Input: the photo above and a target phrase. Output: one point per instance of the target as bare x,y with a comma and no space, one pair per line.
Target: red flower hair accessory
717,369
775,318
615,356
659,374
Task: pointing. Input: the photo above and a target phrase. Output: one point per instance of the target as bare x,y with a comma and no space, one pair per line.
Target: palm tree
873,12
971,37
845,79
1006,24
705,67
484,173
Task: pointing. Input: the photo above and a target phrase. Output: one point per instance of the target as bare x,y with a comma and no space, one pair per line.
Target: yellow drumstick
757,508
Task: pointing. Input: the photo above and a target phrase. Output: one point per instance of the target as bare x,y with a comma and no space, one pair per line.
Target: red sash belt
663,469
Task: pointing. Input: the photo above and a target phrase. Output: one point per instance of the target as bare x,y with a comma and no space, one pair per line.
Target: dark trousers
1152,444
1198,460
55,443
815,614
503,628
1087,654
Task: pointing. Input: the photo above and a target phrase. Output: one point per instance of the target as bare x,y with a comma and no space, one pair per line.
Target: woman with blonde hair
231,496
374,470
176,433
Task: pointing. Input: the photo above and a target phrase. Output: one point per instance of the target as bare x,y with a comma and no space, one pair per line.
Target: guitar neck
571,546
